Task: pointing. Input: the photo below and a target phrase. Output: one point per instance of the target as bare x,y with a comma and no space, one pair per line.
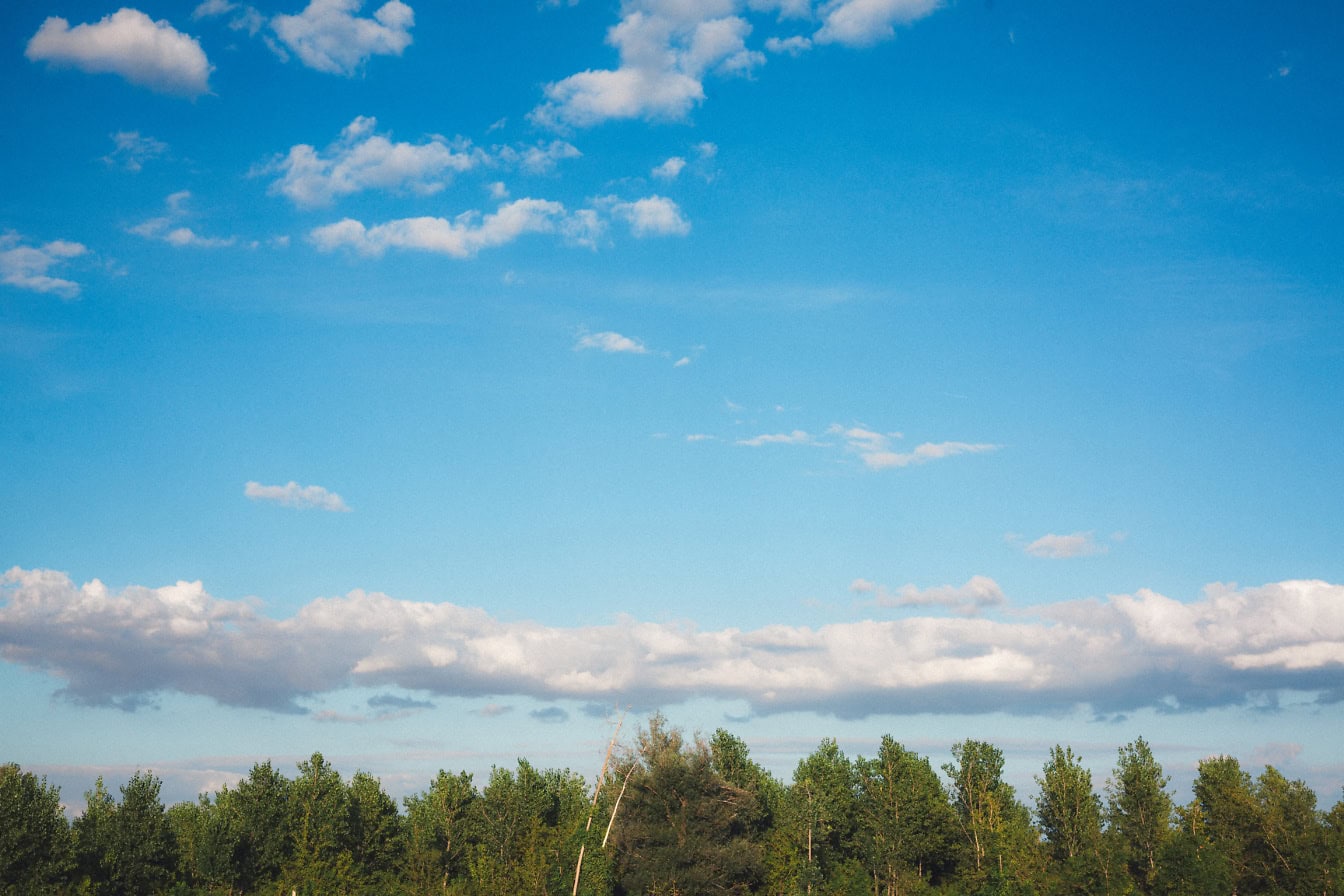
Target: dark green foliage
689,817
320,862
141,856
36,852
679,827
259,812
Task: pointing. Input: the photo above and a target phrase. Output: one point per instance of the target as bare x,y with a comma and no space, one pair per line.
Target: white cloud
861,23
794,46
797,437
241,18
969,599
540,158
130,44
463,237
329,37
669,169
1118,654
650,216
666,48
25,267
875,450
610,342
166,228
362,159
131,150
1059,547
291,494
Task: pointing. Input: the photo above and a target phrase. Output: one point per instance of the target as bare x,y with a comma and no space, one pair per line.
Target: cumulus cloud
291,494
650,216
610,342
25,267
470,232
462,237
874,448
796,45
1226,647
329,37
978,593
666,48
1062,547
861,23
362,159
130,44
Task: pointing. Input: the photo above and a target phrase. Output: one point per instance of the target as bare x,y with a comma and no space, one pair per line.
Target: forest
678,815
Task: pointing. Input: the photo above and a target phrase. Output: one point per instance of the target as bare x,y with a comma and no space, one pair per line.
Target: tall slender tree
906,828
1139,811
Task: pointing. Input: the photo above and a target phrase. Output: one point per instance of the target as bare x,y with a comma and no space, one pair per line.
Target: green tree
1069,813
207,842
92,832
679,827
260,814
1139,811
36,852
818,815
378,841
1004,848
320,862
906,829
141,853
439,830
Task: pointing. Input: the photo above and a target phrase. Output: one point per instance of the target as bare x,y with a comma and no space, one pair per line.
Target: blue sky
418,383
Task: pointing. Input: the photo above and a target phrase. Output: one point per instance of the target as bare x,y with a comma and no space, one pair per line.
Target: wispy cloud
26,267
978,593
168,229
328,35
874,448
130,44
291,494
611,342
1062,547
1118,654
131,150
796,437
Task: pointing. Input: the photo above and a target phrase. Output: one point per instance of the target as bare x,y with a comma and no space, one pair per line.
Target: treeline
677,816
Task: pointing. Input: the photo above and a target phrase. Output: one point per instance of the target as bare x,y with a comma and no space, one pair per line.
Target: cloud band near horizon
1231,646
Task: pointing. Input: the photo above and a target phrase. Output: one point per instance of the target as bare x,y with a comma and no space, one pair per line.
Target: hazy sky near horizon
419,382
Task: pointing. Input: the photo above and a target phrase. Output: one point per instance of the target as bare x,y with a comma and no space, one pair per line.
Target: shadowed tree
36,852
259,809
140,858
679,825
